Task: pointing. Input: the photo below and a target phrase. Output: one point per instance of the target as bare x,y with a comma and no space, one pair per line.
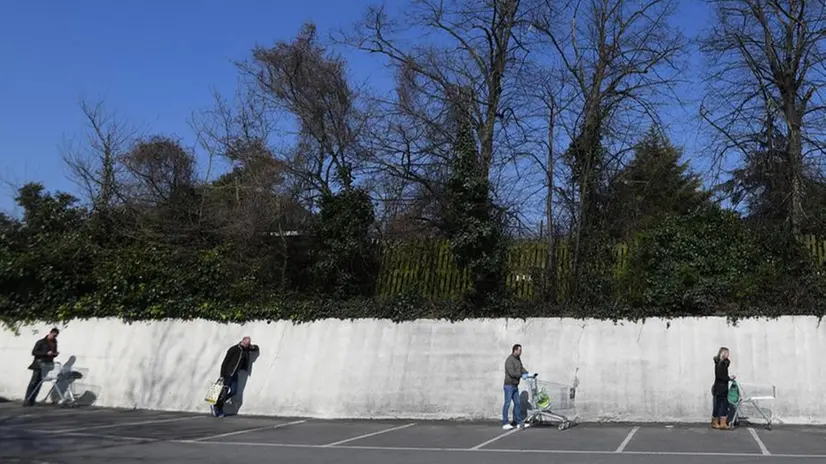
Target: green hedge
54,266
397,309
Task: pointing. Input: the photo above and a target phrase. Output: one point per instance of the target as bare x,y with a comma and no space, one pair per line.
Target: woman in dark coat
720,389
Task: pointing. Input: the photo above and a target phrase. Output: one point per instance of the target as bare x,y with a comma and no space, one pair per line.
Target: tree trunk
551,283
795,156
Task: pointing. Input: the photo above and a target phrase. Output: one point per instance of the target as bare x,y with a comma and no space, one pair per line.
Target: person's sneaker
507,427
213,411
524,426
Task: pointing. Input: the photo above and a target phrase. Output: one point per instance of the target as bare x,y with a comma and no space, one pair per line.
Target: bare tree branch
93,164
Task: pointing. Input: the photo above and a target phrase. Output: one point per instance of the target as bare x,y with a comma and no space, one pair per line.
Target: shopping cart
61,381
745,399
551,402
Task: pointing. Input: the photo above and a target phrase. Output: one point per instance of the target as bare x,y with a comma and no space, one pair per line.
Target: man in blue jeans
514,371
237,359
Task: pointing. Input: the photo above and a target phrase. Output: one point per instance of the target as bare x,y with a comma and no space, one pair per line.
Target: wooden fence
427,267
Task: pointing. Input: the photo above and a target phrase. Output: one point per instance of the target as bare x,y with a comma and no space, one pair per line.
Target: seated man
236,360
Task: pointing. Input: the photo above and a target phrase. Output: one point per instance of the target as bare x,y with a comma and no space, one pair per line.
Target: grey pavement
47,434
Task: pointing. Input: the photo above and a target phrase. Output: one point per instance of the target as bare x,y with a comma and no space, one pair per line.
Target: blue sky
154,62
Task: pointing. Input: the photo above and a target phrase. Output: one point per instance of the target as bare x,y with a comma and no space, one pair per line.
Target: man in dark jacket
44,352
514,371
237,359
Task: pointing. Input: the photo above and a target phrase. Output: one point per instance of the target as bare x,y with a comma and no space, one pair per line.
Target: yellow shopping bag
214,391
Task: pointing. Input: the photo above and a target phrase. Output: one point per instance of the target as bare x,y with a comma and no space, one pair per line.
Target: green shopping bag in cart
734,393
542,400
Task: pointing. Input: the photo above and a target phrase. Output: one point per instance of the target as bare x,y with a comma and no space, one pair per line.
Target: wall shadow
26,446
152,376
234,404
89,395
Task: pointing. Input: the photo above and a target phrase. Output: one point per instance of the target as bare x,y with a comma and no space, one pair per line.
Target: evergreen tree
473,223
653,185
764,184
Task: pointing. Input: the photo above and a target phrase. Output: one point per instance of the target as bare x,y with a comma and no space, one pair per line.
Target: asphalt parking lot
46,434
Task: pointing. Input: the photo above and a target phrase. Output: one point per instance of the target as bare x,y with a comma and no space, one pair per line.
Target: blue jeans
233,385
232,389
720,406
511,395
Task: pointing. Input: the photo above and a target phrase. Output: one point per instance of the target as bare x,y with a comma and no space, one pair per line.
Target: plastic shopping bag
734,393
543,401
214,391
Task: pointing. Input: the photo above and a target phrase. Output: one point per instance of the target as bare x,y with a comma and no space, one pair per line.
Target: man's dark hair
54,331
515,347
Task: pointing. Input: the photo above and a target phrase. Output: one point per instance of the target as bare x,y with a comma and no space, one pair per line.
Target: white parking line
627,440
505,451
127,424
239,432
111,437
367,435
55,413
81,434
763,448
498,437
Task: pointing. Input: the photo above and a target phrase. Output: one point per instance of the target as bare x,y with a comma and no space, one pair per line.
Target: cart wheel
563,426
768,426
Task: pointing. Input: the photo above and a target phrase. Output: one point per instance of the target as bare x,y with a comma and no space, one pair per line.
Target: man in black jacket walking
237,359
44,352
514,371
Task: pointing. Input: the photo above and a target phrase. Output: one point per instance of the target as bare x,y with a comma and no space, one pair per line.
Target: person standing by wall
514,371
719,390
237,359
44,352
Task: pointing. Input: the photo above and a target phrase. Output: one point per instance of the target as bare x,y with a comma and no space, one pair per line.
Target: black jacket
41,347
721,377
236,359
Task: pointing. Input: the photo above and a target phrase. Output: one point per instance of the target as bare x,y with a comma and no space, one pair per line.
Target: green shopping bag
733,393
543,400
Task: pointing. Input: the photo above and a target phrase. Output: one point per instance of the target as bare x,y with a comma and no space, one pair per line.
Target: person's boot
715,423
724,423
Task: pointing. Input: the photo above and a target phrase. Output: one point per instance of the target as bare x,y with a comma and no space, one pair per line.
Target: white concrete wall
652,371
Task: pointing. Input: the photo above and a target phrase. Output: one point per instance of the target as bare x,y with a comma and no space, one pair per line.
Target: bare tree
257,197
303,80
237,135
94,164
767,69
158,189
158,169
466,54
620,57
544,87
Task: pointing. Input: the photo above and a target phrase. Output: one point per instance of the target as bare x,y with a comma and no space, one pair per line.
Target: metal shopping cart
61,380
748,400
551,402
